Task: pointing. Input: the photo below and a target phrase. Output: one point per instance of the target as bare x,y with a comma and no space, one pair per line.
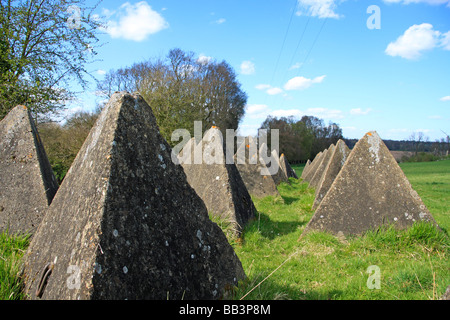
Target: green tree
44,47
181,89
302,139
63,142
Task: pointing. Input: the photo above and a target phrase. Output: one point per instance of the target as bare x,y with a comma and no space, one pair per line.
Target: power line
313,44
299,42
281,50
309,52
284,42
298,45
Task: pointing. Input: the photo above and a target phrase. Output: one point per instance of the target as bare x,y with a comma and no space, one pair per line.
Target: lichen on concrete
218,183
27,182
123,227
368,193
257,184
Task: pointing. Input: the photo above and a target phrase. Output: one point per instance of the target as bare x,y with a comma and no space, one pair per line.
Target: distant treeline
302,139
436,147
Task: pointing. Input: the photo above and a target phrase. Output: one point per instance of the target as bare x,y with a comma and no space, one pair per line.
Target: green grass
431,180
12,249
413,264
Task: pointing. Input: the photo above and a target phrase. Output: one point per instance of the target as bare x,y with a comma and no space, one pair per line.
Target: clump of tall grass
12,248
420,233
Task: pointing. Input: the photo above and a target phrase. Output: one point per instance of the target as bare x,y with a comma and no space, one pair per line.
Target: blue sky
302,57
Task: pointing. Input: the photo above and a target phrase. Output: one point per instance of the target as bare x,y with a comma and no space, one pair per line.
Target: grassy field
431,180
411,264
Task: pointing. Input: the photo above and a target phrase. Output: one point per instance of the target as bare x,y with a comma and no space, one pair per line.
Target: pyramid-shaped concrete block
305,168
272,163
309,173
315,180
125,223
286,167
369,191
282,176
247,151
251,171
315,165
27,182
335,164
218,183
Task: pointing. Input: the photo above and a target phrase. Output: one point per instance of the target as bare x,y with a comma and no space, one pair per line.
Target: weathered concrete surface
335,164
315,165
125,224
281,176
446,295
247,151
370,190
306,168
272,162
27,182
315,180
258,185
307,174
286,167
219,184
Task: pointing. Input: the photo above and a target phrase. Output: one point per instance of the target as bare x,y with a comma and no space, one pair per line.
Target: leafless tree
182,89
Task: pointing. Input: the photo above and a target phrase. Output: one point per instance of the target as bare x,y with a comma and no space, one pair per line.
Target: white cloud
263,86
274,91
257,111
445,41
202,59
269,89
220,21
301,83
446,98
318,8
65,114
424,130
414,41
296,66
436,117
135,22
247,67
360,112
287,113
432,2
256,108
322,113
246,130
108,13
101,72
325,113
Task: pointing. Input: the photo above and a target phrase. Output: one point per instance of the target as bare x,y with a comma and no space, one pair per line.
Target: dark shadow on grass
289,200
272,229
272,290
